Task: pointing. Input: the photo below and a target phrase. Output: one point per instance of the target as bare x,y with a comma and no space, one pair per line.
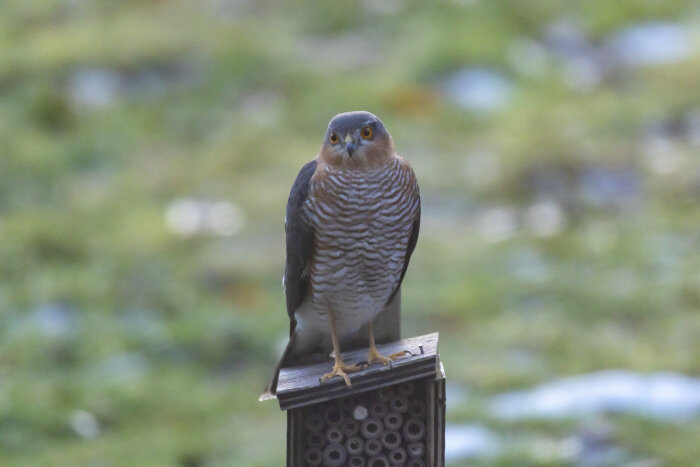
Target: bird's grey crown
346,122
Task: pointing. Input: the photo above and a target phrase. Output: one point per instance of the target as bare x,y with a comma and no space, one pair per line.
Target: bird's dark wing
412,240
300,238
299,243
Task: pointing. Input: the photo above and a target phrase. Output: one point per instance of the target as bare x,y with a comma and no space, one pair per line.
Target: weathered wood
439,411
299,386
294,450
435,444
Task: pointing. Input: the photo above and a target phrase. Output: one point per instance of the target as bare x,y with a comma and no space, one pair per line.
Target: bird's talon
340,369
396,355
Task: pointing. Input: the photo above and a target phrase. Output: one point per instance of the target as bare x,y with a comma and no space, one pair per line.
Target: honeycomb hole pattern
385,427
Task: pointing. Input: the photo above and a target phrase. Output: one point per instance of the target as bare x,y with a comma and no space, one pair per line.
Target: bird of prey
351,225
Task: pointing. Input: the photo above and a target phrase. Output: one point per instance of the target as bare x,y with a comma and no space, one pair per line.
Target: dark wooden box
392,415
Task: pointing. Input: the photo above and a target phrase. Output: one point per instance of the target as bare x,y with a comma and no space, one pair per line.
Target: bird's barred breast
362,221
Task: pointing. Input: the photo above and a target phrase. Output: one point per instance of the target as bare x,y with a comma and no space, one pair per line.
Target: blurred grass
169,339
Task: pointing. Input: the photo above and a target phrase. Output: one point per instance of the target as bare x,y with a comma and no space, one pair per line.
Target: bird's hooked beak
349,144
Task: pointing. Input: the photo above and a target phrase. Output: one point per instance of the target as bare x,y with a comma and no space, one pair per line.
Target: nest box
391,415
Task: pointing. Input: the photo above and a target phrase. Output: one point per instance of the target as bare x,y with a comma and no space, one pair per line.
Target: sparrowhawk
351,225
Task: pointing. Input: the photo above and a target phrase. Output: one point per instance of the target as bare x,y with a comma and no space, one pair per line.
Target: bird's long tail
270,391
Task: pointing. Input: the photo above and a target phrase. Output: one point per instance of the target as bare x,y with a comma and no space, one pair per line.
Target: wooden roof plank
299,386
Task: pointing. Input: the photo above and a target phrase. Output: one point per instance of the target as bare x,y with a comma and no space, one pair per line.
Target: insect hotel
391,415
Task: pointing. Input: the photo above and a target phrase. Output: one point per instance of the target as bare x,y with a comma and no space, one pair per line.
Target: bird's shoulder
300,188
406,168
404,165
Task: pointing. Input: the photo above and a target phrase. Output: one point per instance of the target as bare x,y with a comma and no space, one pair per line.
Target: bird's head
357,140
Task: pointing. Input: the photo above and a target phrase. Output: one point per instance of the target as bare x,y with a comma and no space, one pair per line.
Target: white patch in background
224,218
662,395
468,441
661,155
94,87
85,424
653,43
479,89
184,217
545,218
188,217
456,394
55,320
497,224
119,368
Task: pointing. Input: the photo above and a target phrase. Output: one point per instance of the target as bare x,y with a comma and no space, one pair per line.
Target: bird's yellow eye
333,138
366,132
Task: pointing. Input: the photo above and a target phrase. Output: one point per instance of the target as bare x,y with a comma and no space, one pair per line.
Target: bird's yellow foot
375,356
340,369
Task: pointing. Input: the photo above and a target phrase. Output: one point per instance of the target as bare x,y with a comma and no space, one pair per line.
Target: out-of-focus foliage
146,153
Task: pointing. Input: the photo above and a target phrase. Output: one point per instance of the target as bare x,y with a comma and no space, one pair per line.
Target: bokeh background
147,149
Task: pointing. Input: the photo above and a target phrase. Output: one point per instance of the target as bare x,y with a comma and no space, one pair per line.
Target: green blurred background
147,149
